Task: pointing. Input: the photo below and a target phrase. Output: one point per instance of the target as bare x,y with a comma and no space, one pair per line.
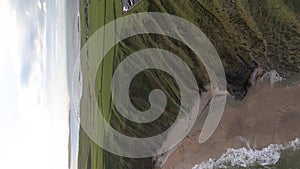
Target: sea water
275,156
74,77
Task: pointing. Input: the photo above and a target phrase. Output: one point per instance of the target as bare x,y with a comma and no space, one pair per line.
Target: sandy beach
267,115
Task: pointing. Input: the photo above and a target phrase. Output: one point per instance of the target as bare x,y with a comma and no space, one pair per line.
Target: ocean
74,77
275,156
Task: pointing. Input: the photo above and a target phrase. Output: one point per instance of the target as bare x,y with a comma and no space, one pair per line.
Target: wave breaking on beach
244,157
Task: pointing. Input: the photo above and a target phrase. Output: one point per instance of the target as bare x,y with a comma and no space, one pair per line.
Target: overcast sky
33,89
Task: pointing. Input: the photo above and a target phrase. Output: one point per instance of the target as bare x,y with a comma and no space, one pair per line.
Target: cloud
33,37
45,6
39,4
42,6
34,118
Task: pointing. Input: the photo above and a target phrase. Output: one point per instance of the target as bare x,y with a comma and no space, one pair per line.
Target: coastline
203,106
267,115
74,78
166,157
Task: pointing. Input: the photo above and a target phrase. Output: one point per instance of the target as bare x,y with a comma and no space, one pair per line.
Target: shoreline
246,123
74,80
203,105
247,156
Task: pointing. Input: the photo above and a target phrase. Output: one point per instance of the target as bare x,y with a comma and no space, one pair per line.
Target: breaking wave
244,157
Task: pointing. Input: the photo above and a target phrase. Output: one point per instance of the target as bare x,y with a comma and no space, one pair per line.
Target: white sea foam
244,157
274,77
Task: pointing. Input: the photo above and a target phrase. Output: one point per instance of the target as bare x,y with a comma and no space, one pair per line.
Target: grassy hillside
95,14
246,34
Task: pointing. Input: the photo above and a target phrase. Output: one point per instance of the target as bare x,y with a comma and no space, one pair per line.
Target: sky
33,85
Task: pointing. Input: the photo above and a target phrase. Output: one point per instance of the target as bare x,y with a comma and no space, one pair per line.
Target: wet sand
267,115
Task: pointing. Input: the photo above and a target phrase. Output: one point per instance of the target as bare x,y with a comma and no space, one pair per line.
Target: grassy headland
246,34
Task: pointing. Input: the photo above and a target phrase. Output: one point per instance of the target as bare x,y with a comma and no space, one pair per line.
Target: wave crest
245,157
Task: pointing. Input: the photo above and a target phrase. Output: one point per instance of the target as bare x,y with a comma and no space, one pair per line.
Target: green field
246,34
98,14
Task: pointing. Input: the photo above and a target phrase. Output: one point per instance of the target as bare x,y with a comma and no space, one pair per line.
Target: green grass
245,33
100,12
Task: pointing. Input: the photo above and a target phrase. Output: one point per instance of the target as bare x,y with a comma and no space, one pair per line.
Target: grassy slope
100,12
246,34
